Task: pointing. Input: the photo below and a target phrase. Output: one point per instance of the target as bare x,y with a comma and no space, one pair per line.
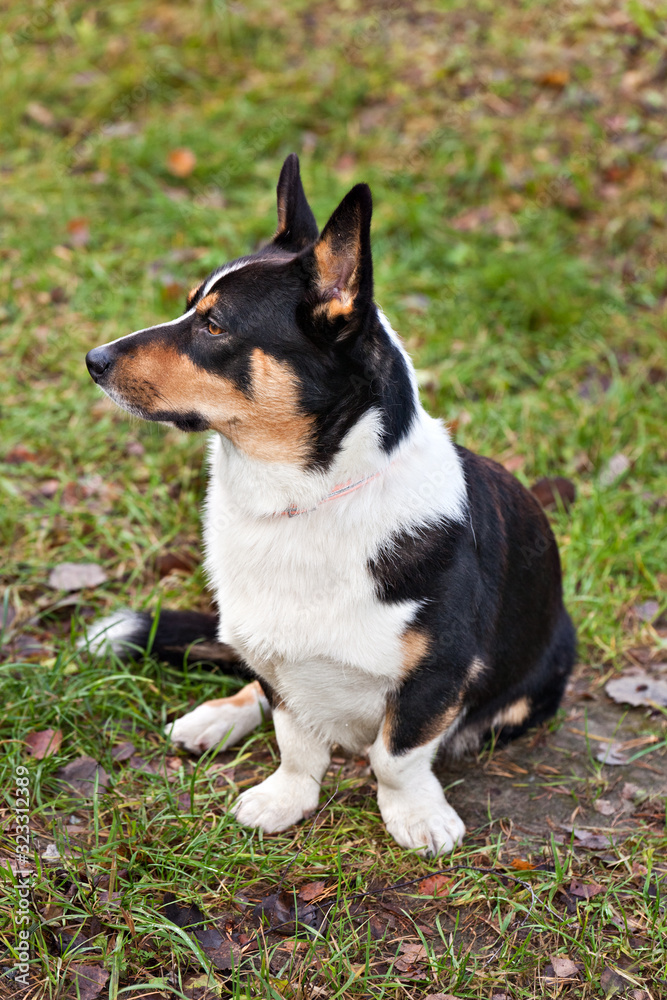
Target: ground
518,164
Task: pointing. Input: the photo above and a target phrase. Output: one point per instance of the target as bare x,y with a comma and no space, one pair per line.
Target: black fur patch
491,591
186,637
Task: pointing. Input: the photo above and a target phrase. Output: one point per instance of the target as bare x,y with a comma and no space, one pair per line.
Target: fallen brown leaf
611,982
122,751
411,955
79,232
170,562
181,162
311,891
44,743
585,890
89,980
435,885
550,490
81,774
590,840
19,454
605,807
556,78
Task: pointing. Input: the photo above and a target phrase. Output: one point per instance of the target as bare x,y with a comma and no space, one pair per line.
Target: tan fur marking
415,645
438,726
207,303
193,291
475,670
341,302
514,714
335,307
282,217
248,695
268,426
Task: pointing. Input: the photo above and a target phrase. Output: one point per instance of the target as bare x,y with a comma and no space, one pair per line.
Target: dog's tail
179,637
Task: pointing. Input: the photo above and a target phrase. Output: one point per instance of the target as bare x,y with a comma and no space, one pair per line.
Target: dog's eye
215,330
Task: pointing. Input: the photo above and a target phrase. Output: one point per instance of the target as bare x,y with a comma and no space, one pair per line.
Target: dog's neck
263,489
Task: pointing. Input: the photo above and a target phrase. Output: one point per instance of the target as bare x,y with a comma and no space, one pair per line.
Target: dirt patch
553,781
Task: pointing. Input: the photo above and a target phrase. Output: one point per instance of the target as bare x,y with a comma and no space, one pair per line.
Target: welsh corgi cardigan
381,587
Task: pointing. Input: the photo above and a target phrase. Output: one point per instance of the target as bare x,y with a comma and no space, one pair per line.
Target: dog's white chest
297,596
298,601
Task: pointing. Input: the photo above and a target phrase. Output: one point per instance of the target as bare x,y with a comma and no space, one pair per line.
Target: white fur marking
411,800
114,633
158,326
235,265
220,723
294,789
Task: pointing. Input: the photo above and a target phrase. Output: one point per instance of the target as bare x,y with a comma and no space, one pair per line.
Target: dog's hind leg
221,722
180,637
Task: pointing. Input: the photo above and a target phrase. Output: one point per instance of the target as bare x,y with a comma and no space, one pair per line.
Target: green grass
520,250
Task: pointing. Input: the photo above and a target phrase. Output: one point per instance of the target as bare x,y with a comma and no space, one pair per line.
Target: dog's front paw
426,824
278,802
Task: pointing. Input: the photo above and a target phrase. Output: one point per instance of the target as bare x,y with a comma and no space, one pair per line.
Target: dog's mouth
190,422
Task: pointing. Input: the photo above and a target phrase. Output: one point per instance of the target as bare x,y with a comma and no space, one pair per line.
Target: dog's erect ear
296,222
343,262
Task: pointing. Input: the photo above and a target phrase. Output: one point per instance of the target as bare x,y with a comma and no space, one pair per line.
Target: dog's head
281,351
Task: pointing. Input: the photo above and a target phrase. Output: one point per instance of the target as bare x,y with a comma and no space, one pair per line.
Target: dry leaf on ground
522,865
612,982
311,890
563,967
76,576
40,114
181,162
647,610
615,467
79,232
638,689
605,807
586,890
89,980
552,490
81,775
123,751
434,885
19,454
613,754
411,955
44,743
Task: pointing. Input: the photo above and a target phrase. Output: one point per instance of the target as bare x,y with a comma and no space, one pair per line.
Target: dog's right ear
296,223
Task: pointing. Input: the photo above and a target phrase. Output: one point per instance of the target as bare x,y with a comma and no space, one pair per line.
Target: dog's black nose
99,362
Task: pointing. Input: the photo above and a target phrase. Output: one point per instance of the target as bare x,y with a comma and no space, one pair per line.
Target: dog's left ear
296,222
343,276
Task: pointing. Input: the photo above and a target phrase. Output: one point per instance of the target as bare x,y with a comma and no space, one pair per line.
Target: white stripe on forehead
226,269
171,322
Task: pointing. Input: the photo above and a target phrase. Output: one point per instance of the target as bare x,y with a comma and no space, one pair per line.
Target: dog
380,587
